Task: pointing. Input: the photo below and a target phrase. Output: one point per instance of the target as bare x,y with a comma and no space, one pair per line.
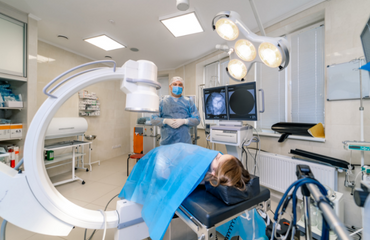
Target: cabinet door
12,46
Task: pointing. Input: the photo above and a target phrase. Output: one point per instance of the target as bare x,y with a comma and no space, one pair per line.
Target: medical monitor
242,101
365,39
215,103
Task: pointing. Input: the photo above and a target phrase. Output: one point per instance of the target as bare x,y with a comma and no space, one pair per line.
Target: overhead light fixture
182,25
227,29
270,54
245,50
242,44
104,42
237,69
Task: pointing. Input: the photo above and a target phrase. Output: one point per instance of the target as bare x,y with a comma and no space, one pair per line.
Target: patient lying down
227,170
165,176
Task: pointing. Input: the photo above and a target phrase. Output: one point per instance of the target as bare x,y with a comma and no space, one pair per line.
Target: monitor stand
236,151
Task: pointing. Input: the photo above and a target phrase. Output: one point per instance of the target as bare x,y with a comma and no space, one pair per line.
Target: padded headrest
231,195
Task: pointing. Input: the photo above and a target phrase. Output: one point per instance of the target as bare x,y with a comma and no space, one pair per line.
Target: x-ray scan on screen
215,103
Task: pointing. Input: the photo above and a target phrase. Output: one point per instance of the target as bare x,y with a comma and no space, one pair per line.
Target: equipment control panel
230,135
357,145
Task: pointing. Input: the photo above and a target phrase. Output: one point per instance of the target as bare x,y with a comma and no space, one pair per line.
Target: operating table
201,211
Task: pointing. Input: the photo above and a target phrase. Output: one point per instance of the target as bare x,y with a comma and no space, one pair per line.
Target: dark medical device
365,39
231,102
335,162
215,103
290,128
303,171
242,101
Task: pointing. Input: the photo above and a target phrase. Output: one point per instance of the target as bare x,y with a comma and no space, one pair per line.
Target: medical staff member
176,114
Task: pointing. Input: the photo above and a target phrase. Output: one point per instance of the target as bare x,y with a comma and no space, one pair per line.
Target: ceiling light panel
183,25
104,42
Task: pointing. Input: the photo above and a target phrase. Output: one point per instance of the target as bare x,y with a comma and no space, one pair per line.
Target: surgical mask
176,90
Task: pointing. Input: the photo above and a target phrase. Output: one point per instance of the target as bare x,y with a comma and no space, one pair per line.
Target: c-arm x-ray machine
28,199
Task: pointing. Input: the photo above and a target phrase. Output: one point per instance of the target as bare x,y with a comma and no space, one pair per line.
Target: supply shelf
65,144
12,108
11,139
62,157
89,104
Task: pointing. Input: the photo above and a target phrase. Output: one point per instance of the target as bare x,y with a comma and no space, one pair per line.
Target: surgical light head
227,29
237,69
243,45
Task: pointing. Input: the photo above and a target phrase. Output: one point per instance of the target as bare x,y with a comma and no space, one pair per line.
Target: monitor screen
365,39
215,103
242,101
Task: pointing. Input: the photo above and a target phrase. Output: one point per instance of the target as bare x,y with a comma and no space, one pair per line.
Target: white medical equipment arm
29,199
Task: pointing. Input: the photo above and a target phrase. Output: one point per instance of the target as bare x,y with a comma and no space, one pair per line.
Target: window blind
164,89
307,76
273,83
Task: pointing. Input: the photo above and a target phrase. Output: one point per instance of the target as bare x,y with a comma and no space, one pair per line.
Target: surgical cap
177,79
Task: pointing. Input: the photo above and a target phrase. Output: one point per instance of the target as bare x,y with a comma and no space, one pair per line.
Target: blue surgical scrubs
176,108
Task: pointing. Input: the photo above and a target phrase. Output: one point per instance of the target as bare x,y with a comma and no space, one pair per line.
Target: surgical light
227,29
104,42
245,50
270,55
237,69
242,45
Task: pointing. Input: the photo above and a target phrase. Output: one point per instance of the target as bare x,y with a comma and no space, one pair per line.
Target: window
295,94
307,76
274,85
163,91
214,74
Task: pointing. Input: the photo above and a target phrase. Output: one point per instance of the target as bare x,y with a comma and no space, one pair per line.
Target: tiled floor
103,183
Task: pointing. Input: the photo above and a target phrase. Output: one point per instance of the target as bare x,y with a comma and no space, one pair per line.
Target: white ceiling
137,25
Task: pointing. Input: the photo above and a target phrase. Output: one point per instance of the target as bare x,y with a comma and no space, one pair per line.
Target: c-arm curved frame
38,180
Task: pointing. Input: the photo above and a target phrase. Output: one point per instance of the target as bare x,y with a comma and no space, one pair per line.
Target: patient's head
227,170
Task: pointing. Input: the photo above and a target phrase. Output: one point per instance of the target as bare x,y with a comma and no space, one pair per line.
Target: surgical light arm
28,199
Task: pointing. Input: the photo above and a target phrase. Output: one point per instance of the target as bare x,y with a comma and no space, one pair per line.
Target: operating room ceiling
135,23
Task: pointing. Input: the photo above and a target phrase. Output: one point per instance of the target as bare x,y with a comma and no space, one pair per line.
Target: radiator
277,172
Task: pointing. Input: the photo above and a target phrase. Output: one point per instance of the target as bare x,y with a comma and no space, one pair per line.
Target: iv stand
361,119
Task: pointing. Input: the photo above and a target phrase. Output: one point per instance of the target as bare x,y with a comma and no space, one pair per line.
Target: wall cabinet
13,46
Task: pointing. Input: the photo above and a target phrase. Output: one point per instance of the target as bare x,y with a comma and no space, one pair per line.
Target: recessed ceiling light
108,57
104,42
183,25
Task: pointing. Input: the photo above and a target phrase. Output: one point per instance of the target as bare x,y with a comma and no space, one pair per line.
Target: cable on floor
92,234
